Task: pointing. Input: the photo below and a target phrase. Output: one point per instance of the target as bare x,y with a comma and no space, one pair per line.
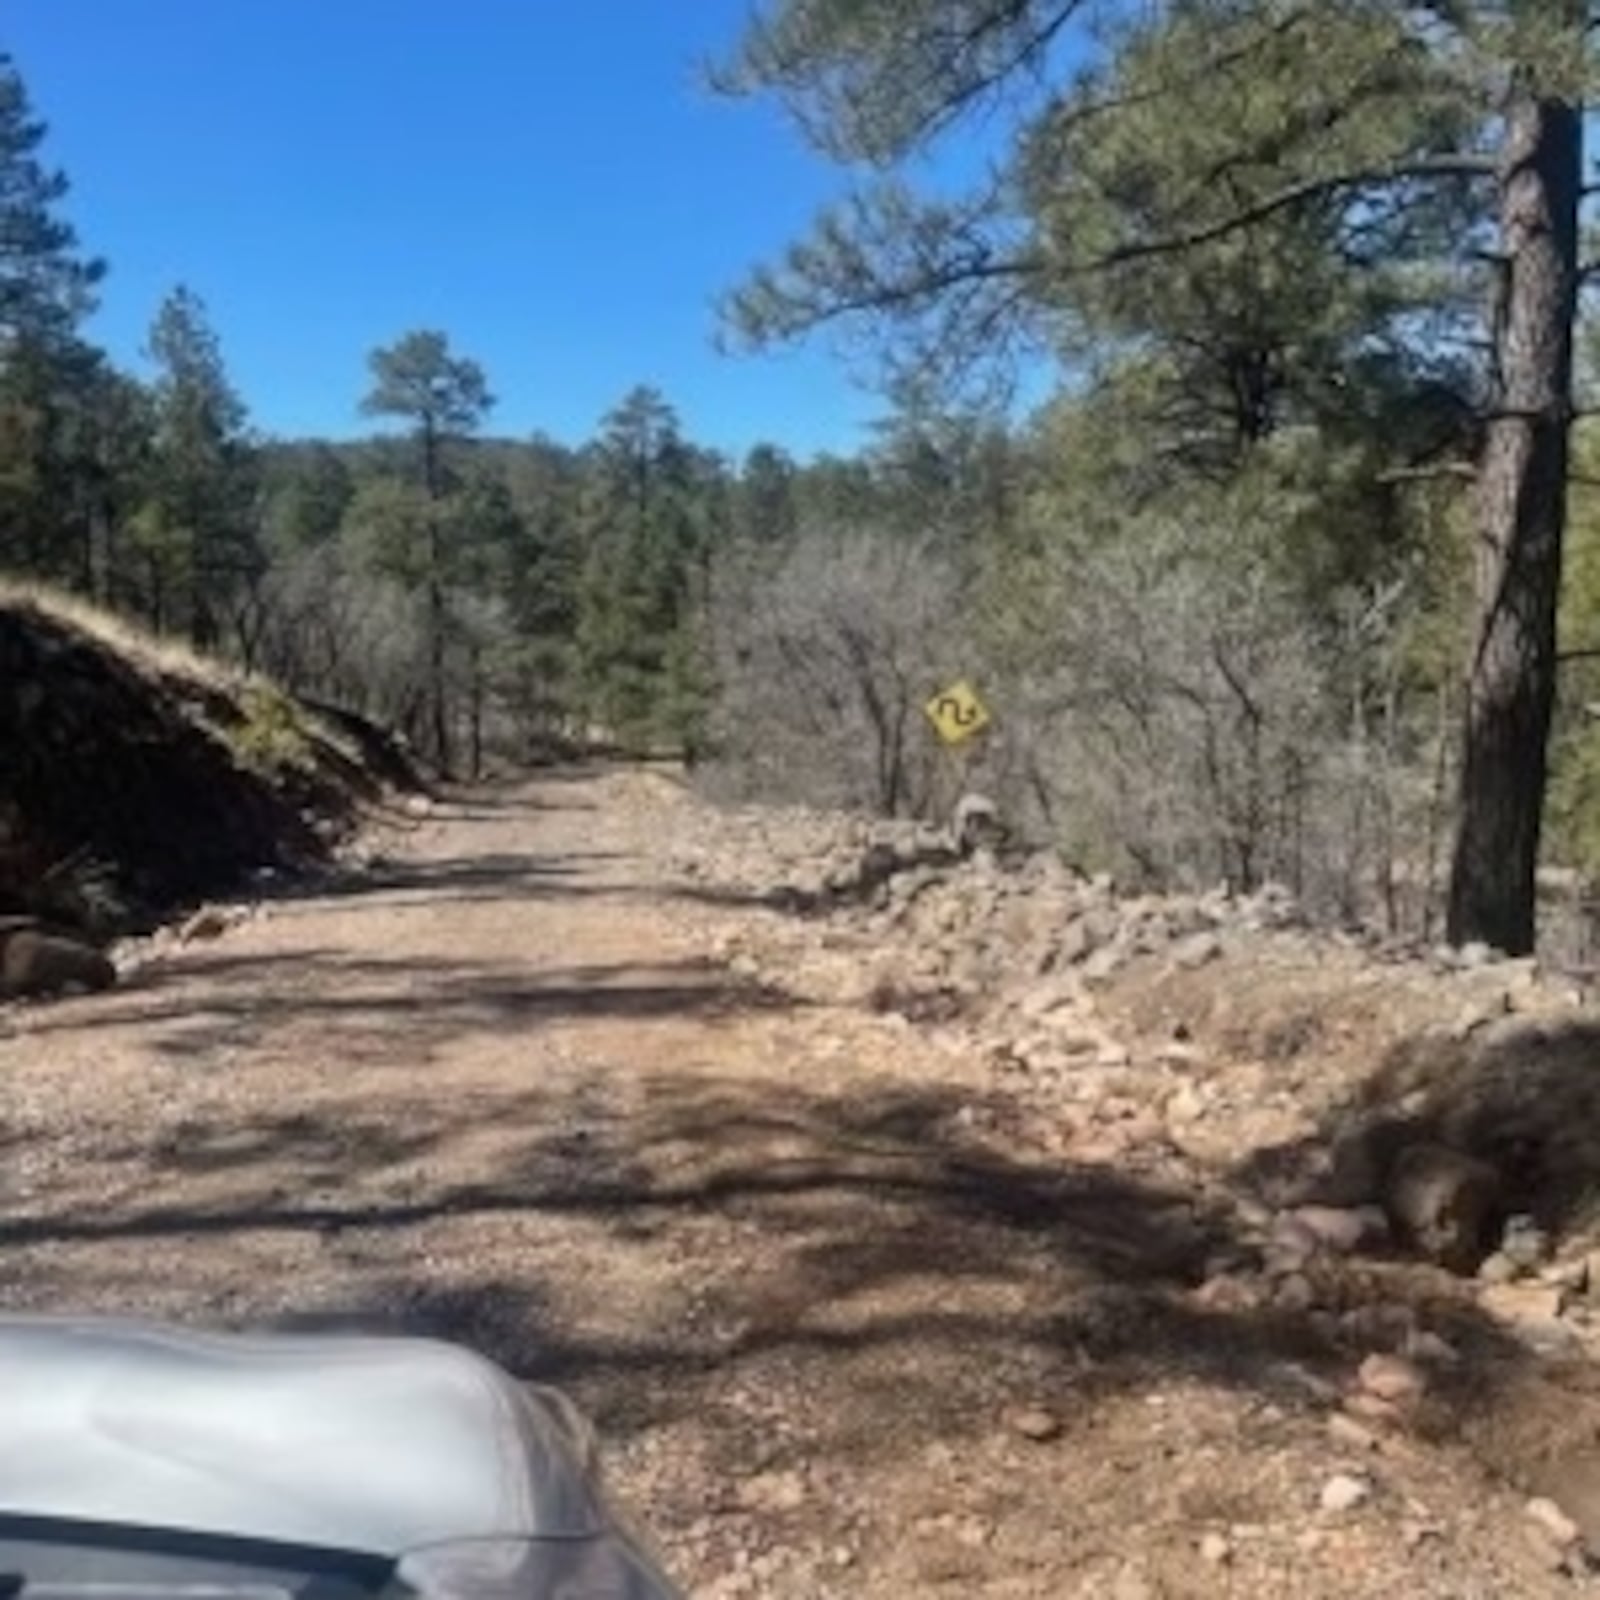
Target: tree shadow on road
864,1246
395,1011
489,876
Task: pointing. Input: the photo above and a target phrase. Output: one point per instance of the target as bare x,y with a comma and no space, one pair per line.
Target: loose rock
1198,950
1291,1247
209,922
1530,1312
1341,1230
33,965
1572,1276
1392,1378
773,1491
1371,1407
1426,1346
1549,1516
1344,1492
1295,1293
1034,1423
1187,1105
1525,1244
1441,1203
1347,1431
1498,1268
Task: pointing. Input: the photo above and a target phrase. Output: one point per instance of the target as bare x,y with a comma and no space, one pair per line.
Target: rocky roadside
1396,1149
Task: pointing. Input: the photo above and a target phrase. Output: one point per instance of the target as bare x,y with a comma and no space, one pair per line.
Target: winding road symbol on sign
957,713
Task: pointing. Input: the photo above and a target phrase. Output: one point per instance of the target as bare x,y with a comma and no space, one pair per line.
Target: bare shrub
355,638
1175,710
825,656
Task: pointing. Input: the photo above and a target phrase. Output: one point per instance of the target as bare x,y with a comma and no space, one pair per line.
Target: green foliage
46,286
198,524
765,510
1279,216
1244,196
308,494
868,80
73,450
646,537
271,739
444,397
419,380
1574,813
65,459
386,530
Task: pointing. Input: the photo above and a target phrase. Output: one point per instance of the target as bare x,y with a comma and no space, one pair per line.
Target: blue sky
545,180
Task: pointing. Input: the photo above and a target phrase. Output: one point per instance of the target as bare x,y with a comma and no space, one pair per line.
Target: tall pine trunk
438,701
1521,512
439,707
475,730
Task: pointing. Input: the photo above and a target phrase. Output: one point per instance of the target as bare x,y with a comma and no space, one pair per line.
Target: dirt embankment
136,777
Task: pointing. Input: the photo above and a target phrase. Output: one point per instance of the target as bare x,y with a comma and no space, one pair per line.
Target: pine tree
308,489
199,522
645,523
46,286
545,481
418,379
52,386
765,498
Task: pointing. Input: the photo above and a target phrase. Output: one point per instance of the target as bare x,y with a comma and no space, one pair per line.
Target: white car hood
376,1445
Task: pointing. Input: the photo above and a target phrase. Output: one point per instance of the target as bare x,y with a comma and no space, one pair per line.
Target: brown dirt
783,1251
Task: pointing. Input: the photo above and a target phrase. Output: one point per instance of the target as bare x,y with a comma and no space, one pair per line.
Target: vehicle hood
378,1445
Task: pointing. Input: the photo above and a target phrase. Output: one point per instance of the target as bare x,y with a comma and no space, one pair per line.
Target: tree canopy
1272,212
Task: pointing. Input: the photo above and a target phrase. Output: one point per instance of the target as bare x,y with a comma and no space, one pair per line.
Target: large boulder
34,964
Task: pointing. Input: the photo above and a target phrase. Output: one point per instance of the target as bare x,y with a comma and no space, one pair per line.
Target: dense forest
1270,589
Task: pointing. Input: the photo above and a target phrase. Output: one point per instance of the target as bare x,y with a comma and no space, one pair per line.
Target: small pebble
1422,1345
1549,1516
1345,1492
973,1532
1034,1423
1340,1230
1295,1294
1525,1243
1371,1407
1414,1533
1347,1431
1498,1268
1392,1378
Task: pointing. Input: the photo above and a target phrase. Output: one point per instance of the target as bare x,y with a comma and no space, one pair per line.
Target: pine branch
1286,199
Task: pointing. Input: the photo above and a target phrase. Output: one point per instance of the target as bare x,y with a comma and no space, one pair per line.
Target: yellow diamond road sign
958,713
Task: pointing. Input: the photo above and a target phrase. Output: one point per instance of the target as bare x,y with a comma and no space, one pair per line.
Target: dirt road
499,1092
